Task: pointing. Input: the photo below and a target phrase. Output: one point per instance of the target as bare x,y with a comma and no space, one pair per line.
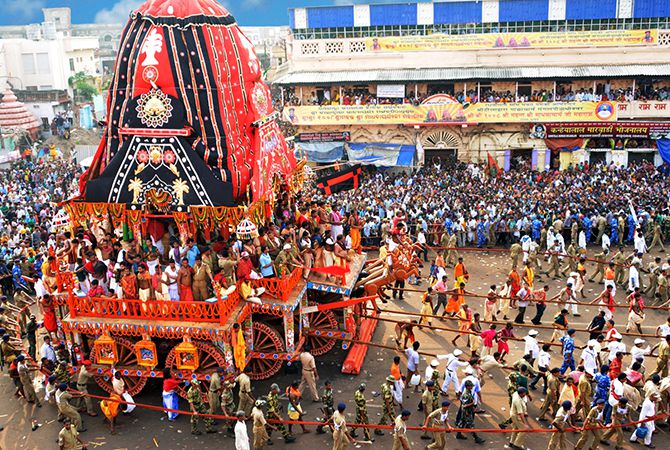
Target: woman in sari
170,397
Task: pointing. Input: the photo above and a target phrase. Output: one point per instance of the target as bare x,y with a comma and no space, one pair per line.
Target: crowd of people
485,94
567,215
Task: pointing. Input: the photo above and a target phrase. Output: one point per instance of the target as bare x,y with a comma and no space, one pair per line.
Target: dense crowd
483,210
568,213
563,93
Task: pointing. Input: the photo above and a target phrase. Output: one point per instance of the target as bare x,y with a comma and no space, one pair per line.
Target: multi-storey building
539,82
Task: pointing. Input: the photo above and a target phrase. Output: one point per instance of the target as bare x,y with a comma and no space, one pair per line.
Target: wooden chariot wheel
210,358
319,322
126,364
269,346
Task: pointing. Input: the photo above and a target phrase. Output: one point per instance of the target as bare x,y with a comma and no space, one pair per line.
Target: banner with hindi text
567,39
451,112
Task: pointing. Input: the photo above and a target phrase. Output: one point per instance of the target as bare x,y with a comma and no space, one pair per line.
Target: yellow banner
604,38
452,112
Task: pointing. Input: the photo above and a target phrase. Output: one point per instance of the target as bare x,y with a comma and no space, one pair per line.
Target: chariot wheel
319,322
269,346
126,364
210,358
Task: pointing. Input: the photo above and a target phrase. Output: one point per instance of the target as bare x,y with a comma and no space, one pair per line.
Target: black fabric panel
198,20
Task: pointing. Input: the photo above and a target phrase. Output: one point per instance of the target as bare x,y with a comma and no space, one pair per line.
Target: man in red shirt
245,267
615,366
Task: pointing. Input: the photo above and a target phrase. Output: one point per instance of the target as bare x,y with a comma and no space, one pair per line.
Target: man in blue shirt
602,380
265,261
568,348
192,251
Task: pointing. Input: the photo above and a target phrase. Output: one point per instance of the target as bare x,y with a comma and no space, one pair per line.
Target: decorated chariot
191,141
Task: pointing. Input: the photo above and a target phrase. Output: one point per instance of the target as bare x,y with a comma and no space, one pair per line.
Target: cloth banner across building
624,130
566,39
452,112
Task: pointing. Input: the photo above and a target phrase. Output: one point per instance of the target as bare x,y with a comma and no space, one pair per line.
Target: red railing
153,310
280,288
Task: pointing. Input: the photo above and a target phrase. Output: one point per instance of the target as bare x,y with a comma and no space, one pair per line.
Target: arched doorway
441,147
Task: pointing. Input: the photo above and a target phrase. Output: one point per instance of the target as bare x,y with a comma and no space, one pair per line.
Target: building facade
539,82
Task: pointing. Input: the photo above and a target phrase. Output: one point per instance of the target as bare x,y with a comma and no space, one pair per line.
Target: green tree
83,86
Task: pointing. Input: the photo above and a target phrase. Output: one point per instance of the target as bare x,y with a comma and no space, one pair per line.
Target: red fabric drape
564,144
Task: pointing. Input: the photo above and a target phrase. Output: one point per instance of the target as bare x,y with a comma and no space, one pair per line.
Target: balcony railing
153,310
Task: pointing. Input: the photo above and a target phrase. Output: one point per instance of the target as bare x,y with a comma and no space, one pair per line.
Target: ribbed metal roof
475,73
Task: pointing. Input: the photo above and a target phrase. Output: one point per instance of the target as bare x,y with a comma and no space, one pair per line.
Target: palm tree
180,187
135,186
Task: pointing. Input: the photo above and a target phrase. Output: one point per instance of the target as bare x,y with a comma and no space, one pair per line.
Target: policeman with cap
327,400
593,419
427,404
387,406
273,413
361,412
198,407
259,425
400,441
438,419
561,421
341,437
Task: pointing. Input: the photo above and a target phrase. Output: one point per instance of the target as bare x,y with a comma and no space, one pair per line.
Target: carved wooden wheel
210,358
126,364
320,322
269,346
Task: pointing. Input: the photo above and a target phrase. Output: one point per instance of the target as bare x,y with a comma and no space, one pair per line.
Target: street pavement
146,429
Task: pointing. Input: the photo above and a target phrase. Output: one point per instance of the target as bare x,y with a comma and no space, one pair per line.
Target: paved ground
144,429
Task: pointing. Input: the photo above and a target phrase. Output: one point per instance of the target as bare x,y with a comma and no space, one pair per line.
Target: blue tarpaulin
663,146
320,152
381,155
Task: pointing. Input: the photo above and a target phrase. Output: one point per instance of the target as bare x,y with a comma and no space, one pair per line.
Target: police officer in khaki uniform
83,379
400,441
519,415
246,400
63,398
309,373
593,419
341,437
619,261
214,391
24,376
438,419
427,404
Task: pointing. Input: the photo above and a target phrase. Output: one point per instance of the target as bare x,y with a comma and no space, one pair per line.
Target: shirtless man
185,281
146,288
